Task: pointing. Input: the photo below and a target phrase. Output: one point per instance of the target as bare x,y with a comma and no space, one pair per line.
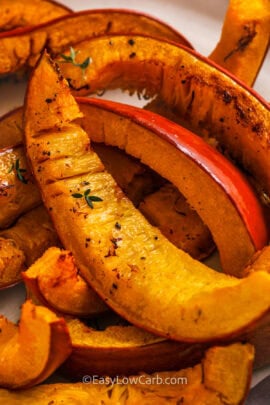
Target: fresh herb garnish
88,198
19,171
71,58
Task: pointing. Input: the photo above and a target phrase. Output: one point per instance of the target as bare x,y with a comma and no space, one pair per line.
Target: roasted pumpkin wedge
23,243
244,39
163,145
22,48
33,233
53,277
12,263
124,350
147,279
15,13
211,100
168,210
223,376
18,192
11,132
118,349
32,351
135,179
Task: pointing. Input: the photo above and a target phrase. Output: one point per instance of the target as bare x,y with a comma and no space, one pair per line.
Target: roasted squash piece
33,233
168,210
183,159
222,377
135,179
124,350
23,243
32,351
136,270
49,282
244,39
18,191
11,128
164,207
17,13
22,48
211,100
54,280
12,263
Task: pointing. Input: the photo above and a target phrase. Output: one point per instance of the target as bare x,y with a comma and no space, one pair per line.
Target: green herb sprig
88,198
71,58
19,171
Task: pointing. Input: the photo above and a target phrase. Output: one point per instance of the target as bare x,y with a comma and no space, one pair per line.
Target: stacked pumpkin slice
106,257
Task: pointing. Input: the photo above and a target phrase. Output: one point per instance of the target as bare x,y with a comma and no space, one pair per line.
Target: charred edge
72,87
244,41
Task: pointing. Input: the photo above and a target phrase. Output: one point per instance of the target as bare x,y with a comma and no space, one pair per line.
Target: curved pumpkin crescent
22,47
207,97
228,205
244,39
16,14
146,279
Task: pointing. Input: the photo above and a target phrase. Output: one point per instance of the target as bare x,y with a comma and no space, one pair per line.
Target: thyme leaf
71,58
19,171
77,195
88,198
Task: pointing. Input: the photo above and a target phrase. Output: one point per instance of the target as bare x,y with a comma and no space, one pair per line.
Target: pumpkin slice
244,39
210,100
52,278
12,263
11,128
168,210
124,350
147,279
15,13
34,350
33,233
208,181
223,376
21,48
18,192
118,349
23,243
137,181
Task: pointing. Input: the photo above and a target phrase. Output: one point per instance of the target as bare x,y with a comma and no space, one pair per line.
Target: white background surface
199,21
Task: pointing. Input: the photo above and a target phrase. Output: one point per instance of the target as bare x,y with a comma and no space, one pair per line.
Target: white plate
199,21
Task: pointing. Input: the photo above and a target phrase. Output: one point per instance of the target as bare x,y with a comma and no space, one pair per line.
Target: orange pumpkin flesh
148,281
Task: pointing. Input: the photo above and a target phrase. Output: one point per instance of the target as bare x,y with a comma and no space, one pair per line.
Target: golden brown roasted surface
23,243
132,266
18,50
33,233
18,191
32,351
11,128
206,184
223,377
54,281
17,13
135,179
244,39
168,210
230,112
124,350
12,262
